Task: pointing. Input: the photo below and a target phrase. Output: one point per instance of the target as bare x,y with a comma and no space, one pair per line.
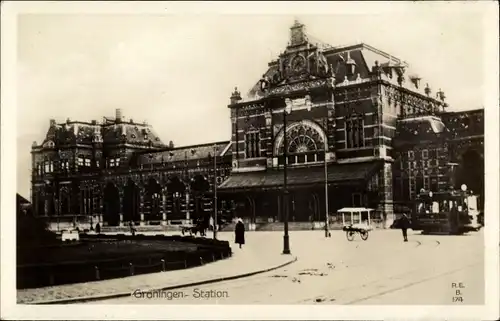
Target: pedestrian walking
239,232
132,228
98,228
404,224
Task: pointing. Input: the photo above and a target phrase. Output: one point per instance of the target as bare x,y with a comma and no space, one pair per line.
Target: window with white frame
354,132
411,155
80,161
114,162
425,154
252,144
87,162
64,164
412,187
426,183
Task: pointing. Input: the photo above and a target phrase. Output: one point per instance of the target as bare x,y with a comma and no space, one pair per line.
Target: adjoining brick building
383,133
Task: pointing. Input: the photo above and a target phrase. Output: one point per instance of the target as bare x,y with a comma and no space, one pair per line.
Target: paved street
382,270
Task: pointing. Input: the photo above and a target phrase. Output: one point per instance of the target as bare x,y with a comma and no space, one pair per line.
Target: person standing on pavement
132,228
239,232
404,224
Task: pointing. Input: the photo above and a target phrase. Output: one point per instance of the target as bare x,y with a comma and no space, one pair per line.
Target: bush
81,267
33,231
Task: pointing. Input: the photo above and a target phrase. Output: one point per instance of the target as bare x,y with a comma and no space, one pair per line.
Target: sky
177,71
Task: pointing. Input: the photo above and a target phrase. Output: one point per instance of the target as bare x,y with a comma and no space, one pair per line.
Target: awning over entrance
338,174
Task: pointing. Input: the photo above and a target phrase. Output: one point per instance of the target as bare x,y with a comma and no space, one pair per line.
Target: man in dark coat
239,232
98,228
404,224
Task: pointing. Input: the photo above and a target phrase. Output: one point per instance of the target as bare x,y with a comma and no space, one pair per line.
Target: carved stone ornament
306,85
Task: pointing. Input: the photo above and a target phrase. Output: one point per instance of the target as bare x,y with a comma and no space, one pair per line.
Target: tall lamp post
287,110
327,227
215,192
286,238
327,232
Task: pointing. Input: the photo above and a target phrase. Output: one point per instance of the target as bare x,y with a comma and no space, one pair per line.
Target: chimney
118,115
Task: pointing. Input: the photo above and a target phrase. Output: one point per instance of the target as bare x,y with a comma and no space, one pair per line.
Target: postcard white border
8,164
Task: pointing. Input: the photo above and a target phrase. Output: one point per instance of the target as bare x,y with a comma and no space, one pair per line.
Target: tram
449,212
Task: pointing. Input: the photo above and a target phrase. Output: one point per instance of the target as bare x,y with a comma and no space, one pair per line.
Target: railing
40,274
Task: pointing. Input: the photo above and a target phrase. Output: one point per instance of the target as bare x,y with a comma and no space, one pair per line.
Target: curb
172,287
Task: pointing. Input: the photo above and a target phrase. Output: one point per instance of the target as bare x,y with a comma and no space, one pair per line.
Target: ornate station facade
356,118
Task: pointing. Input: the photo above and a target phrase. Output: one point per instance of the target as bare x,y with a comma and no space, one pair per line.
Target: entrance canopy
338,174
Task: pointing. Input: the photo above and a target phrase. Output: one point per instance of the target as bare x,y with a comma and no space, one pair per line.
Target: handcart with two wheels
356,220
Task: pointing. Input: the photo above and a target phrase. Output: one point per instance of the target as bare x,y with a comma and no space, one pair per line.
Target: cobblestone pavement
381,270
243,261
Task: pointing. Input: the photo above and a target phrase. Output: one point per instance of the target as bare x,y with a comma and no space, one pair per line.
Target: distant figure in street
239,232
211,223
132,229
404,224
98,228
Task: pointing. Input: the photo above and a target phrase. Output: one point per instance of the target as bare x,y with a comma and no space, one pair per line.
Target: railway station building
354,118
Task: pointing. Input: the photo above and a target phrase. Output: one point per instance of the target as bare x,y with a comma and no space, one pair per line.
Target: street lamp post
327,233
332,86
215,192
287,110
286,239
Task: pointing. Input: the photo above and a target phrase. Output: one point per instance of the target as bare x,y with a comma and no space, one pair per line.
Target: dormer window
49,167
351,65
64,164
114,162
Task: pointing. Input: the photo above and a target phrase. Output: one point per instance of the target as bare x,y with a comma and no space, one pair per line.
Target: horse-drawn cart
357,221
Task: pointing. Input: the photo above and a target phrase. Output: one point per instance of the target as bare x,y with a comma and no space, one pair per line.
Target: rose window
305,145
302,144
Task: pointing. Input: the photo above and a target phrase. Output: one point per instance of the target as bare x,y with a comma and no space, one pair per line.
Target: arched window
87,200
305,144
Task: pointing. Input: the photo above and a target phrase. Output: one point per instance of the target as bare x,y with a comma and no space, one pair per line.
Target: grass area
98,250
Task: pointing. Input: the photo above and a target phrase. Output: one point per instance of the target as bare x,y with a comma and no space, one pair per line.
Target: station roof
338,174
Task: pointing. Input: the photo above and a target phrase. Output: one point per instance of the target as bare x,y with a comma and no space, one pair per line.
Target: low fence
39,275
